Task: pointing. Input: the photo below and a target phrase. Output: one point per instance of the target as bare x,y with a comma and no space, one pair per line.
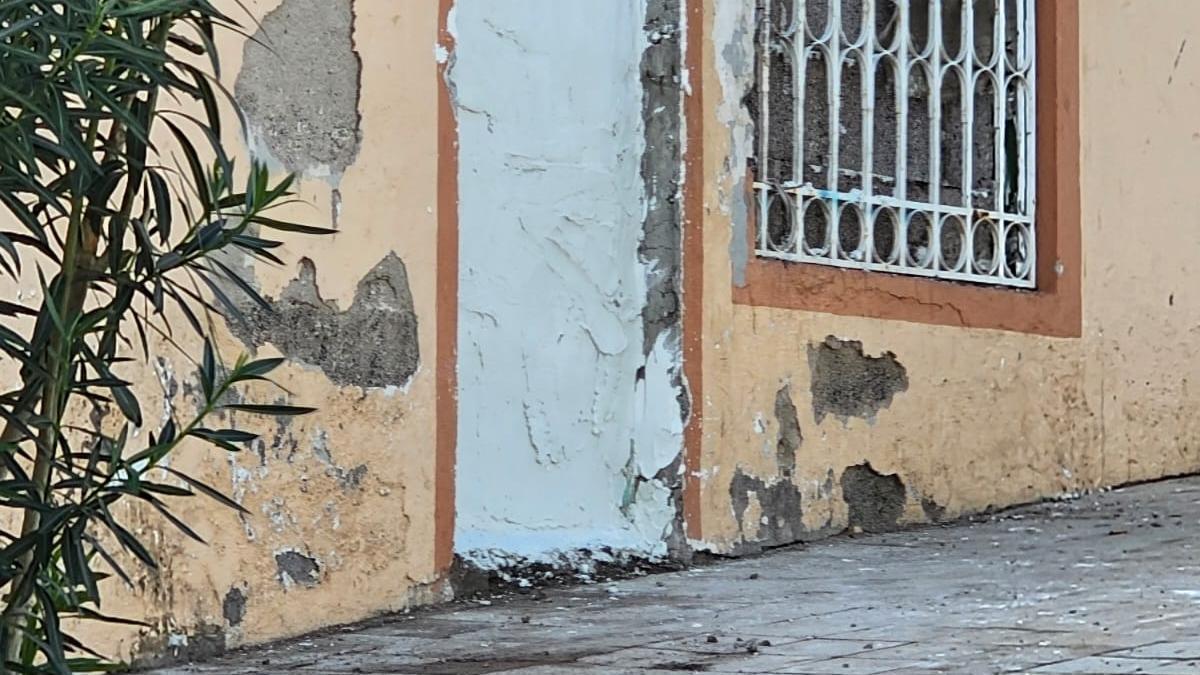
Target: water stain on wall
779,500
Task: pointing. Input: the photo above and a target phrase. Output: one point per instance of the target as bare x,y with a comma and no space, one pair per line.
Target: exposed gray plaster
662,159
661,248
790,435
671,475
780,504
847,383
876,501
349,479
373,343
153,649
296,568
234,606
934,512
299,86
733,33
778,500
739,249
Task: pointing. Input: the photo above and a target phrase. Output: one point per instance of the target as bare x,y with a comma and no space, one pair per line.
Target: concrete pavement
1108,583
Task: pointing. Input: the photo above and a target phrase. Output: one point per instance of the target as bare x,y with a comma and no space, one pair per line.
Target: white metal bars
898,136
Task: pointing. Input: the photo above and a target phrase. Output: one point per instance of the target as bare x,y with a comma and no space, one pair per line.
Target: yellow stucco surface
989,418
352,485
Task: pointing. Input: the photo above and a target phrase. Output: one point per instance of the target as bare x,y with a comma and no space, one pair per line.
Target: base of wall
469,580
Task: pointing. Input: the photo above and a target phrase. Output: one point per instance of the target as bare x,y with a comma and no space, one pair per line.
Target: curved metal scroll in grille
898,136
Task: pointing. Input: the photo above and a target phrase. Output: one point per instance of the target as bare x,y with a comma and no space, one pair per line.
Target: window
898,136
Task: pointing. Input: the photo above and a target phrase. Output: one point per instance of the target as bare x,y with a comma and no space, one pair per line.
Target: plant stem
13,433
72,292
79,259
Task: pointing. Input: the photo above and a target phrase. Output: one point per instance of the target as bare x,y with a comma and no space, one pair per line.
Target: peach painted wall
341,503
987,418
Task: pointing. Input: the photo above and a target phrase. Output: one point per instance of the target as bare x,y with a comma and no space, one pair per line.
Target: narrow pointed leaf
265,409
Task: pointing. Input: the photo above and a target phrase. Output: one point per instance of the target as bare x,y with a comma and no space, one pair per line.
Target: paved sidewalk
1105,584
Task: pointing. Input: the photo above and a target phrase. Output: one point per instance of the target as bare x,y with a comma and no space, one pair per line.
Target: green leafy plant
123,205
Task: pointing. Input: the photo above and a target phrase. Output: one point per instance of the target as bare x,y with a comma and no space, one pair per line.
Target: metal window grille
898,136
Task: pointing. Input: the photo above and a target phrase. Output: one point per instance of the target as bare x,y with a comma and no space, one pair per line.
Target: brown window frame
1053,309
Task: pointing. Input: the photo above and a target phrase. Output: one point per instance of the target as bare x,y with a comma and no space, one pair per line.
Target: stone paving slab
1105,584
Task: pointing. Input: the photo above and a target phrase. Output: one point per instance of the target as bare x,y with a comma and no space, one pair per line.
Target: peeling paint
349,479
664,403
662,168
733,42
934,512
278,515
170,387
847,383
790,435
360,527
299,87
775,503
373,343
569,356
233,607
778,503
295,568
876,501
567,348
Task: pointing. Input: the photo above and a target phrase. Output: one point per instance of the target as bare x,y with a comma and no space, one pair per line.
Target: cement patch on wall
562,394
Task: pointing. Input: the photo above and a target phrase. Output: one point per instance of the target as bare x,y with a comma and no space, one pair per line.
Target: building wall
555,169
550,139
341,522
884,423
569,415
